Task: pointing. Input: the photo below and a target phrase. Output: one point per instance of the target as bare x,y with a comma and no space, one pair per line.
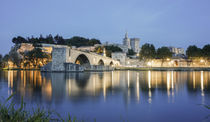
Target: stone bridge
66,55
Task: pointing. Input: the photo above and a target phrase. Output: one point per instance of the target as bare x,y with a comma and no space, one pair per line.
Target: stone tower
126,41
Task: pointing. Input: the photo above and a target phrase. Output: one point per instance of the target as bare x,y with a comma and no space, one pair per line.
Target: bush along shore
10,112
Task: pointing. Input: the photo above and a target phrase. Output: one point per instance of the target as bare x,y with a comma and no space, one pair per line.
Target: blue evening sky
176,23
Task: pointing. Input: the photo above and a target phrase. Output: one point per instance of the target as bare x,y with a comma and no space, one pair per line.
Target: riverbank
135,69
165,68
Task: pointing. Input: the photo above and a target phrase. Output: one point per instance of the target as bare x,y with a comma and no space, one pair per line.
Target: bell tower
126,41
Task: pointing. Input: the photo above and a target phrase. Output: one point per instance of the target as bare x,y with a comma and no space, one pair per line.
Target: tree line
59,40
109,50
194,52
148,52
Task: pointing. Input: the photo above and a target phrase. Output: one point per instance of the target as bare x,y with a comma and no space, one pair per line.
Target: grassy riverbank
10,112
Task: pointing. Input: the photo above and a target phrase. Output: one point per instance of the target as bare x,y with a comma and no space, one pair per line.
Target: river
114,96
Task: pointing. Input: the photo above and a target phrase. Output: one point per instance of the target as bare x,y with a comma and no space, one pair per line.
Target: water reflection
79,87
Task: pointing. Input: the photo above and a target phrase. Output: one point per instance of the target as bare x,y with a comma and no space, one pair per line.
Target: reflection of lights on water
128,79
94,85
168,83
10,79
69,85
149,85
156,79
112,79
193,80
172,79
104,88
24,79
202,87
149,79
168,80
172,83
150,96
137,87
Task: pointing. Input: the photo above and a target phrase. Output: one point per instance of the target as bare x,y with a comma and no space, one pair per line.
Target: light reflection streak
149,79
168,83
137,87
94,85
128,79
193,79
202,86
149,85
104,89
202,89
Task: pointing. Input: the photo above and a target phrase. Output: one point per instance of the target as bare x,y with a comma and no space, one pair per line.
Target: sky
178,23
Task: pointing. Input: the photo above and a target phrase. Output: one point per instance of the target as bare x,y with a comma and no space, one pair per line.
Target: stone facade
120,56
59,57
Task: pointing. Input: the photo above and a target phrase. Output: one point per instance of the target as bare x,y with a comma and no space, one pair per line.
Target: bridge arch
82,60
101,62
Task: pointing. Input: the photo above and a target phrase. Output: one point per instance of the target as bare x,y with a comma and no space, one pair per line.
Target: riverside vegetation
10,112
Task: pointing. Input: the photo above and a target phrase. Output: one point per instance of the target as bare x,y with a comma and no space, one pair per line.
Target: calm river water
114,96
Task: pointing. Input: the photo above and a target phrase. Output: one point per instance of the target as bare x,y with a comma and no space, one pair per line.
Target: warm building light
202,61
168,59
149,63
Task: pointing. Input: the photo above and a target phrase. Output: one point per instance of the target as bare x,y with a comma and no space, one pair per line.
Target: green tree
109,50
113,48
92,42
206,51
5,60
15,57
36,57
194,52
131,52
163,53
147,52
81,41
49,39
59,40
19,39
1,57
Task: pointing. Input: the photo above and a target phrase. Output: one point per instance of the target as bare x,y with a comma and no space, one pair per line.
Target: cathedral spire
126,35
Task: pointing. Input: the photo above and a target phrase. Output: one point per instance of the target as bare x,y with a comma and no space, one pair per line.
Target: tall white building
126,41
132,43
177,51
